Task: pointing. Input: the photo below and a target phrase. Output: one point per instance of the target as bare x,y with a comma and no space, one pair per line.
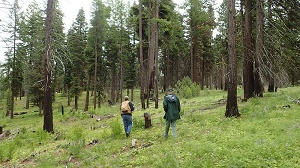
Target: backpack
125,108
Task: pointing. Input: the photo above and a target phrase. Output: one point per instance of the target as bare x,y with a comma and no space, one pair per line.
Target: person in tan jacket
127,108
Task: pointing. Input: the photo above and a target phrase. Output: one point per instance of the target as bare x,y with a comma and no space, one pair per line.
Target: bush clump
186,88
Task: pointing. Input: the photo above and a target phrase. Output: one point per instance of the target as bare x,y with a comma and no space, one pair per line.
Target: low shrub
186,88
116,128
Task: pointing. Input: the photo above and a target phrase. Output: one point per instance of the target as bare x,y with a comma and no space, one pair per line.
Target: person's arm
165,104
131,106
178,104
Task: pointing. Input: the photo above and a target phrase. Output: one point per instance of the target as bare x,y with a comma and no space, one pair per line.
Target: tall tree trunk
156,74
131,93
99,99
114,84
223,73
48,116
40,110
69,96
76,102
195,72
258,88
203,71
141,56
120,92
20,93
95,75
132,83
13,76
151,75
166,68
27,87
27,101
119,88
150,58
121,70
271,87
248,76
87,98
231,107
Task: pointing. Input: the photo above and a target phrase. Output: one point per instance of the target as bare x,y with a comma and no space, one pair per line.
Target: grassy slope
266,135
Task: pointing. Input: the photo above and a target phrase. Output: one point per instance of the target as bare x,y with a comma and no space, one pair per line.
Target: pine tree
95,44
13,57
76,42
33,35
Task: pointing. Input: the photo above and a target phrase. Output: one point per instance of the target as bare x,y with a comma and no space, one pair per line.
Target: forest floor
266,135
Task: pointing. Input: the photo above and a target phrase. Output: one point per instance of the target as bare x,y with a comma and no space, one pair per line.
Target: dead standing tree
48,116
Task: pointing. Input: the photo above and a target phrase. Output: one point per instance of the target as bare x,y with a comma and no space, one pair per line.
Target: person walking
126,113
171,105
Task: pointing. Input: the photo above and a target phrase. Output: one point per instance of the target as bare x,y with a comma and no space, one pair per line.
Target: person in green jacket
171,106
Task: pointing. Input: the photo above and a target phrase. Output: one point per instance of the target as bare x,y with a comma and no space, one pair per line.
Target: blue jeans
127,121
173,125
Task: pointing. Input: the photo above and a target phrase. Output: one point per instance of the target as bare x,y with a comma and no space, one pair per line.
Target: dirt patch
28,161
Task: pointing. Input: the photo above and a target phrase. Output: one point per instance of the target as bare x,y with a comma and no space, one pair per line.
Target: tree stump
147,117
7,113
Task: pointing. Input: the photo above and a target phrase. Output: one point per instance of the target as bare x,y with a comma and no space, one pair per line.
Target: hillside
266,135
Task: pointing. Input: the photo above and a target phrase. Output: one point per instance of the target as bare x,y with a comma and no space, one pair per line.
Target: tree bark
195,72
166,68
142,82
76,102
223,73
231,107
87,98
114,83
48,116
258,87
95,75
69,96
153,56
271,87
13,73
156,76
27,102
248,76
120,90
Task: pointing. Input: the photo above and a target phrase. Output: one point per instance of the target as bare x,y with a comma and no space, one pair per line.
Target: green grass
266,135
